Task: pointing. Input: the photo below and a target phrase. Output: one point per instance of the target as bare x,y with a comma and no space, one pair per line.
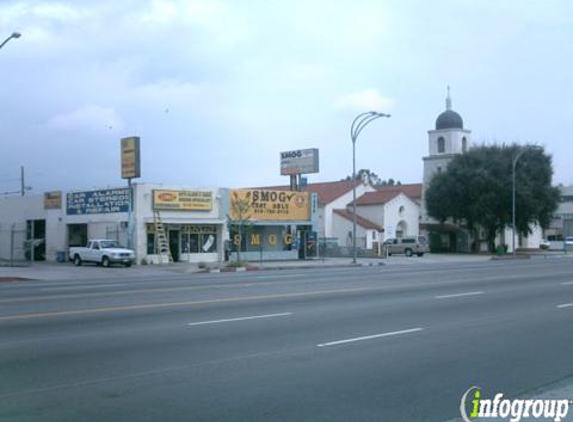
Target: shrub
236,264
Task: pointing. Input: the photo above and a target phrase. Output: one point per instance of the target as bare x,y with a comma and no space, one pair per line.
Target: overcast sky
216,89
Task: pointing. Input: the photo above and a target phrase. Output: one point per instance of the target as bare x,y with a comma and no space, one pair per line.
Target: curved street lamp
357,125
14,35
513,164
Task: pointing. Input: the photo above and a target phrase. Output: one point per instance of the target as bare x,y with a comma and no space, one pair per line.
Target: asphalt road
348,344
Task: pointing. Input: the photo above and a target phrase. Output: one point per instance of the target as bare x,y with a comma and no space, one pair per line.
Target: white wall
144,215
340,203
374,213
410,215
342,227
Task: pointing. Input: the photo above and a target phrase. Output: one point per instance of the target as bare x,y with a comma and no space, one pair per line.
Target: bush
236,264
203,265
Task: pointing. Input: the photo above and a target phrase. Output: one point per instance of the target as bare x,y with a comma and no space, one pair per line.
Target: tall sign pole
130,169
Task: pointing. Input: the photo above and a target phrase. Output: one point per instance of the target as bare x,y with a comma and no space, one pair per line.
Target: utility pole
22,183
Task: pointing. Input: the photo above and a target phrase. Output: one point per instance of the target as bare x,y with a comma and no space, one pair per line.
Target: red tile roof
413,190
361,221
375,198
329,191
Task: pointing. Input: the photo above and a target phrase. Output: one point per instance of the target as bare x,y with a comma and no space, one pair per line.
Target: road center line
239,319
267,277
459,295
351,340
567,283
565,305
76,287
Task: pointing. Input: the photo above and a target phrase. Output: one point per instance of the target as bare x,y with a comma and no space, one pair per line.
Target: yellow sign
269,205
130,162
53,200
182,200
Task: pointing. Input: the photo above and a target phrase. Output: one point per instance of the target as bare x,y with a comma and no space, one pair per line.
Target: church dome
449,119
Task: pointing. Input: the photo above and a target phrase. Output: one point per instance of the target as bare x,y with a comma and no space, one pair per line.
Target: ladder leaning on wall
161,244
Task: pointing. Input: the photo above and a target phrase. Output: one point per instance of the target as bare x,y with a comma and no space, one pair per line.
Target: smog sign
300,161
269,205
130,159
97,201
182,200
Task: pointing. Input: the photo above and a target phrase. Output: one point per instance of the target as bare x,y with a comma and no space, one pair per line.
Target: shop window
209,243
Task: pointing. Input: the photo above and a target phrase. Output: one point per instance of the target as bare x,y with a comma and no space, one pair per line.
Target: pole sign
130,158
300,161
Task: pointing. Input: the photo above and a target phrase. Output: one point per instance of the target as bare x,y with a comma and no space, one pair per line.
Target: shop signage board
53,200
269,205
103,201
182,200
130,158
300,161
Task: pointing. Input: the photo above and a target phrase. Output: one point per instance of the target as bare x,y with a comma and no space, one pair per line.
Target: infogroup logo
514,410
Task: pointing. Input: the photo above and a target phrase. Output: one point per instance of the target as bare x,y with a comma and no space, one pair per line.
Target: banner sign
97,201
182,200
53,200
130,158
268,205
301,161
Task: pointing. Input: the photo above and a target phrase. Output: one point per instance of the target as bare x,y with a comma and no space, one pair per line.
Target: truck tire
77,260
105,261
408,252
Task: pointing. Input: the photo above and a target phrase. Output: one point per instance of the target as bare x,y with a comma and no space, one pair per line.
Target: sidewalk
67,271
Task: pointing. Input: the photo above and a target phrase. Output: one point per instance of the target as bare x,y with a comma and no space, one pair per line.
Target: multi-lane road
346,344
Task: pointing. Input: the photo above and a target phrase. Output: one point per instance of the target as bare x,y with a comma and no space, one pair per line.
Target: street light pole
357,125
14,35
514,164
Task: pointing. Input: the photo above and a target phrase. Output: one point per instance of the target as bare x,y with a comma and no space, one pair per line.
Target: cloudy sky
217,88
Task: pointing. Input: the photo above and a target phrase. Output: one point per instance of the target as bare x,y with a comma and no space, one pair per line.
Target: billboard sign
130,158
97,201
53,200
182,200
269,205
300,161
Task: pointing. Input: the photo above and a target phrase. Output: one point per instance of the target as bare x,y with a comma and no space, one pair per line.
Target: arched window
464,144
441,145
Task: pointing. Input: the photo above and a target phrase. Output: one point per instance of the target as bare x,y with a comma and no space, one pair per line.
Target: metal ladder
161,244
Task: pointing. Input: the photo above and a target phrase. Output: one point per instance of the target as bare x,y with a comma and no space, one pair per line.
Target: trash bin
60,256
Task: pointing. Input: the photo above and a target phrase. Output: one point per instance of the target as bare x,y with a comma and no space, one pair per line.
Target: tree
476,190
239,218
368,176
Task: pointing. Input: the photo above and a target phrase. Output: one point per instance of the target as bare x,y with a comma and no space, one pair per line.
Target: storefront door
174,244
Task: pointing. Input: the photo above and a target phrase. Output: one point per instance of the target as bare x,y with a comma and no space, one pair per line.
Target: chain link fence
15,249
330,247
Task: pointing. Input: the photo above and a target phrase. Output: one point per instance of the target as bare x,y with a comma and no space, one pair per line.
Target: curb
509,257
289,267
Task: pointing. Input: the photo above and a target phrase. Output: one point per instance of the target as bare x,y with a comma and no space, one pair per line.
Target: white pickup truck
102,251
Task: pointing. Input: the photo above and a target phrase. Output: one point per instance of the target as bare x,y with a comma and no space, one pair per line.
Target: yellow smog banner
182,200
268,205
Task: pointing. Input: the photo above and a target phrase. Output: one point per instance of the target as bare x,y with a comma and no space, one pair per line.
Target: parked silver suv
407,245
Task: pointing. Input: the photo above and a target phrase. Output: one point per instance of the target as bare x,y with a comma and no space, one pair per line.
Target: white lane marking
76,287
459,295
239,319
565,305
351,340
567,283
